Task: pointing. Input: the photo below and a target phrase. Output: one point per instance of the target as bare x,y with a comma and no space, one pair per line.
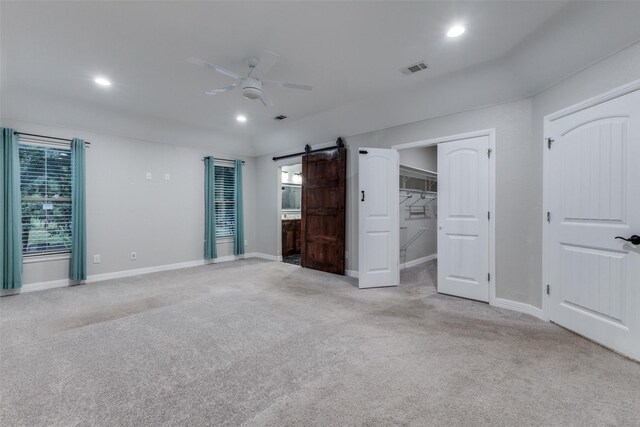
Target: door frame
546,187
491,133
279,165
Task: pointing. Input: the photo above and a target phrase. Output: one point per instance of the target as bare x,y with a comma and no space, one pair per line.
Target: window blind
45,186
225,200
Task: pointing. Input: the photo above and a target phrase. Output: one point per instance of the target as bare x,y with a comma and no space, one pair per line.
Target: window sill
224,239
29,259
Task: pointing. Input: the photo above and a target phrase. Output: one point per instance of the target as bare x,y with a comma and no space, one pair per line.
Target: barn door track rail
308,150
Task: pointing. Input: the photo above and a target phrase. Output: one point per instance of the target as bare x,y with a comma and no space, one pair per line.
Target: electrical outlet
167,177
148,175
133,256
346,254
96,259
246,242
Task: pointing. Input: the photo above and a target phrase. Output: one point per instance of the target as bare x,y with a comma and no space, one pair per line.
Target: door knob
634,240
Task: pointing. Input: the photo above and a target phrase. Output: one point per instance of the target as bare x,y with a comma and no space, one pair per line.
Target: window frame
230,165
56,254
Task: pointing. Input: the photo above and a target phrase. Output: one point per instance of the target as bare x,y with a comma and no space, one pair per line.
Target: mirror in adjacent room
291,198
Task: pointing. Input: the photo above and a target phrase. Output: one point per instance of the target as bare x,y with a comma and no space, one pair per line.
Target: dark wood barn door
323,210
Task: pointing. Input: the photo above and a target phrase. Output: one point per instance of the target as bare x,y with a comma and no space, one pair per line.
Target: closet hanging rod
86,143
428,198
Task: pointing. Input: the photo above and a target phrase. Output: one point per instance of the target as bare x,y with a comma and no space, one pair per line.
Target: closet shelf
423,172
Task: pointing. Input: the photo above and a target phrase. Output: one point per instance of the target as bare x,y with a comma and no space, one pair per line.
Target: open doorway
464,184
464,217
311,209
418,213
290,217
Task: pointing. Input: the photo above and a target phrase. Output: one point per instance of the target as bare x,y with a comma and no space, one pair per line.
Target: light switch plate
167,177
148,175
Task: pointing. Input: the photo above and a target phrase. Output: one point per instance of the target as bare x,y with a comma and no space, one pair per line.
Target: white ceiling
349,51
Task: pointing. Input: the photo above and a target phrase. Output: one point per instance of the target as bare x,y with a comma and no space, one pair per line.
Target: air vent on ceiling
280,117
414,68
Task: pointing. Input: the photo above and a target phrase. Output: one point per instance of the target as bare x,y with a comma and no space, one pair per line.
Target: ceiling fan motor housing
251,88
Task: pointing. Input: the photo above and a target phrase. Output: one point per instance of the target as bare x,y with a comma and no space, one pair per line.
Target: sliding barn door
594,203
463,218
323,210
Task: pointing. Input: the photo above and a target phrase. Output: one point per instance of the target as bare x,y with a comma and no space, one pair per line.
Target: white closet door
463,223
378,217
594,185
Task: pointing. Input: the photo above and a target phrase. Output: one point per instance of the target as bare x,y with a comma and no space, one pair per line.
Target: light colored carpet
264,343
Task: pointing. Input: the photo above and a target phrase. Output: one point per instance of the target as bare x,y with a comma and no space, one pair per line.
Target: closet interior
418,214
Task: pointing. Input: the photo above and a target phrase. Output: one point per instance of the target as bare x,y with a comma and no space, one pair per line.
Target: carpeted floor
268,343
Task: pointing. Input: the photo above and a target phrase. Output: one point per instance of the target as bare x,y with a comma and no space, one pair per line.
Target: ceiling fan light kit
251,86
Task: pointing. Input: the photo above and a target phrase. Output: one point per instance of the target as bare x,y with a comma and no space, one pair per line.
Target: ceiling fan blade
221,90
220,70
266,100
267,61
289,85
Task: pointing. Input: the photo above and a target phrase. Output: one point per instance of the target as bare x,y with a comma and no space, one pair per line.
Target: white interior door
594,196
463,222
378,217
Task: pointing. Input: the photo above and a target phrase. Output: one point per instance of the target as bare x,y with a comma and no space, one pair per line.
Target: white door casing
378,199
592,196
463,217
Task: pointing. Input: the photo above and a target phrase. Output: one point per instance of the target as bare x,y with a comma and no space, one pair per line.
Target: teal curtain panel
78,264
10,212
238,243
210,250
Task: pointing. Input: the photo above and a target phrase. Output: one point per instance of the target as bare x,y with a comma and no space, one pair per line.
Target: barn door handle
362,200
634,240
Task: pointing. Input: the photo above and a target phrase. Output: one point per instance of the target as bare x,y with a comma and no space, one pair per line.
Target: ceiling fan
253,82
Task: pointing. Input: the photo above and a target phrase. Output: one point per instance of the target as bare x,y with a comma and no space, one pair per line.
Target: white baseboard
266,256
147,270
41,286
351,273
519,307
31,287
418,261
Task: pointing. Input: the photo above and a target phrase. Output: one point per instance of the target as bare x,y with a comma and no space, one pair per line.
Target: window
45,186
225,197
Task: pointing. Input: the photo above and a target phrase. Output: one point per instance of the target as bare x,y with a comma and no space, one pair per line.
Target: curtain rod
226,160
48,137
308,150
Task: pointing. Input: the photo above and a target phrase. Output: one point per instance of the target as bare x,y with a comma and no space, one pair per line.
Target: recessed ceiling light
240,118
456,31
102,81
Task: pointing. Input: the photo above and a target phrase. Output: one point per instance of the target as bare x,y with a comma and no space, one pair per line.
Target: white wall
162,221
